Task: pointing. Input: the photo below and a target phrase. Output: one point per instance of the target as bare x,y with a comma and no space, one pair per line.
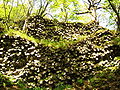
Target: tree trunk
118,23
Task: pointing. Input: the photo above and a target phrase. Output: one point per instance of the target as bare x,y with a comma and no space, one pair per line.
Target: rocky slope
42,66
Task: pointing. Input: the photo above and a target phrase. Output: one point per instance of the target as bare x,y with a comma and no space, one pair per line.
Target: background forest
59,44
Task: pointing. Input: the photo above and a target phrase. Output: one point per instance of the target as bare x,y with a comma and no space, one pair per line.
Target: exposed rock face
43,67
44,28
13,51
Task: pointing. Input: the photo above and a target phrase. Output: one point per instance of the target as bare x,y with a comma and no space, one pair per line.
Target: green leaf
80,81
117,58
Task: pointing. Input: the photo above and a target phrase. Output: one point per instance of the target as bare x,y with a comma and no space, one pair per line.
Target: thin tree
7,12
92,7
116,10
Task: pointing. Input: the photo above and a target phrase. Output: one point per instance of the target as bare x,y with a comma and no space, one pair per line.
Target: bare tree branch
83,12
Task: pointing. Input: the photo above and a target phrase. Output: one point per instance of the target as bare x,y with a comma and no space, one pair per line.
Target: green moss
5,81
62,86
47,42
80,81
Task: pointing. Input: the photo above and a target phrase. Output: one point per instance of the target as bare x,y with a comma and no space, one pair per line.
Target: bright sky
103,18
